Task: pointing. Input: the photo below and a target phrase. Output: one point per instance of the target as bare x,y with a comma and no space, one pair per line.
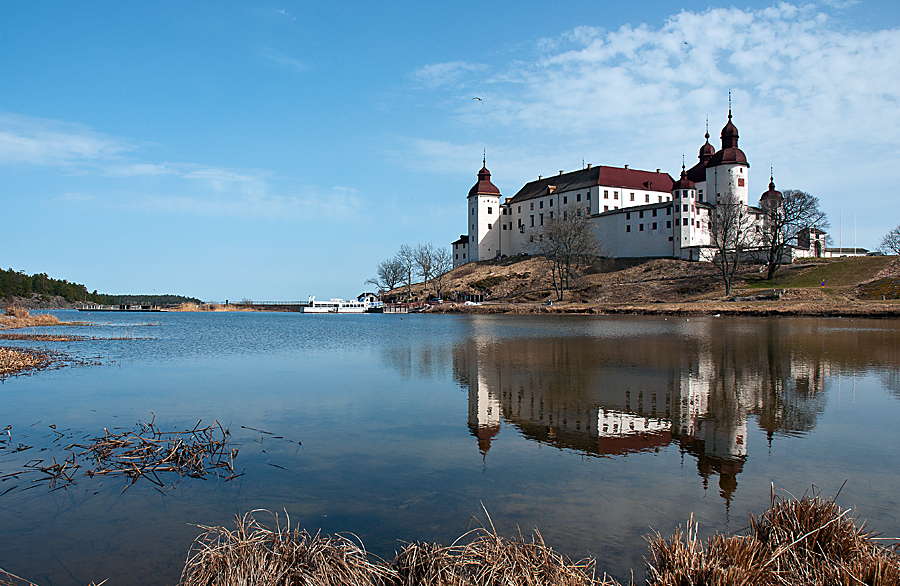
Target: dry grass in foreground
805,542
16,317
809,542
254,554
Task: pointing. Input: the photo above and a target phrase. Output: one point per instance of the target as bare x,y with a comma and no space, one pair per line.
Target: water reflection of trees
696,387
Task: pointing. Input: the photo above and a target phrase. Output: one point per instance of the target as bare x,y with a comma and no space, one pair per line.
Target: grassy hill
525,279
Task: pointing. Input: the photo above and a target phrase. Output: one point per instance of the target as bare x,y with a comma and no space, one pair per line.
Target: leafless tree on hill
423,255
407,259
782,223
388,274
566,243
443,264
890,244
732,234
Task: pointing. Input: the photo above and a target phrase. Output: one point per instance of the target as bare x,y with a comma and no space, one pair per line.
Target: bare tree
566,243
423,255
732,233
388,274
407,259
782,223
890,244
443,264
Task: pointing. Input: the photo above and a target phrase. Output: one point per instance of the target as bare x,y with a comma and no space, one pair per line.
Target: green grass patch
843,272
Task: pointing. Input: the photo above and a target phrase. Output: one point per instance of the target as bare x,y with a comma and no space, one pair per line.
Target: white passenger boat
335,306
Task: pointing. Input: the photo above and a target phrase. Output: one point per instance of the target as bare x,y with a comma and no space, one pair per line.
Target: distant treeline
18,284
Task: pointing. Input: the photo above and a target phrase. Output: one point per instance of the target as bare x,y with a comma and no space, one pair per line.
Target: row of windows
649,226
641,213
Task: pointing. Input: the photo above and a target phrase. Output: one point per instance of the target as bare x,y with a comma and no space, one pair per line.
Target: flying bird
479,99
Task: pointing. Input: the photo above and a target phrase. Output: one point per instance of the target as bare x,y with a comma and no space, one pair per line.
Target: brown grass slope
646,285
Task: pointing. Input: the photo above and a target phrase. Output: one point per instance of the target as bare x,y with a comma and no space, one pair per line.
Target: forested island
17,287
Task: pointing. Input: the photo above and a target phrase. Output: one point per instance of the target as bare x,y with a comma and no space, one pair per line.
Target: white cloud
809,94
283,12
441,74
39,141
276,56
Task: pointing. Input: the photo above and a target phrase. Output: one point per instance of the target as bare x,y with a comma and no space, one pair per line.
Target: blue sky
275,151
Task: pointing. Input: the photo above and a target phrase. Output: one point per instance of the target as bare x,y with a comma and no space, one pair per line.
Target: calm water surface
594,430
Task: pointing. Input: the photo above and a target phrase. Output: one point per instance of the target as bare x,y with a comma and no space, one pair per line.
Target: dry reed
256,555
18,360
809,541
17,317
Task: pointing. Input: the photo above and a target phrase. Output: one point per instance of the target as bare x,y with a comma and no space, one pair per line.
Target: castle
636,213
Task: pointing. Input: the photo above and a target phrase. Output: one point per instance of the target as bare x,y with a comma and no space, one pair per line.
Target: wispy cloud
442,74
283,12
801,82
276,56
39,141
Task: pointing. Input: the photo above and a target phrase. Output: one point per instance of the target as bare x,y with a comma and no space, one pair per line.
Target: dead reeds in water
809,541
257,555
17,317
18,360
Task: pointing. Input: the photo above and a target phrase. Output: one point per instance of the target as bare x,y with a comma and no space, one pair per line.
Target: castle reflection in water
696,385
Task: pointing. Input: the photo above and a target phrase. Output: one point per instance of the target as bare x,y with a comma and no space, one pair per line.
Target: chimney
560,171
589,166
657,170
626,167
539,177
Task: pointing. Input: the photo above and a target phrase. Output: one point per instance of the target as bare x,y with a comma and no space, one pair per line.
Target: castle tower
484,213
685,232
727,171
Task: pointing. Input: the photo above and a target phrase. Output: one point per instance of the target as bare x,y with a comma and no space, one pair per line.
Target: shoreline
881,310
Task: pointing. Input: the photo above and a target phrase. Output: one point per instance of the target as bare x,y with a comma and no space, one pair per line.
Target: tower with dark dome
484,213
727,171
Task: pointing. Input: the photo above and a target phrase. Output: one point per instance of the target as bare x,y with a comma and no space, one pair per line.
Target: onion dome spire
772,195
683,182
484,185
730,131
707,150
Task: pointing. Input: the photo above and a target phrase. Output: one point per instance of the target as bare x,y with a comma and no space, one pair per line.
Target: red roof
484,184
594,176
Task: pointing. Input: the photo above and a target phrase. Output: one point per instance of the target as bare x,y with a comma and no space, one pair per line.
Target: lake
594,430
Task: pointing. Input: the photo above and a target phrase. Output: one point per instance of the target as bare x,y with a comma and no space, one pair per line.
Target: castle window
457,257
520,209
632,197
646,198
628,228
654,213
685,208
464,256
654,225
605,194
670,239
684,223
504,226
551,202
605,208
577,197
542,204
627,215
668,224
640,214
490,210
641,227
532,205
551,215
489,227
615,195
542,219
532,220
588,196
668,210
740,181
565,199
660,199
473,211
